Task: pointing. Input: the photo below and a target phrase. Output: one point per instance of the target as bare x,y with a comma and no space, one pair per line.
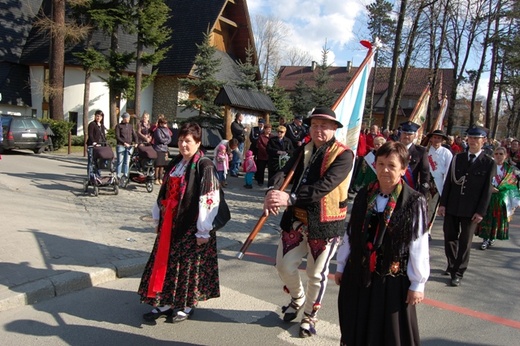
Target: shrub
78,141
61,129
111,138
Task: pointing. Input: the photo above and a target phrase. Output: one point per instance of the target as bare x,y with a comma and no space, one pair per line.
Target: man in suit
418,173
255,133
296,132
464,201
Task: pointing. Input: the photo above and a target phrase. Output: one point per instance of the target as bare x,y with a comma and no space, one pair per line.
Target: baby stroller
100,158
142,167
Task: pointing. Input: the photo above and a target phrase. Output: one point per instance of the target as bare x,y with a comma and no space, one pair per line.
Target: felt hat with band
323,113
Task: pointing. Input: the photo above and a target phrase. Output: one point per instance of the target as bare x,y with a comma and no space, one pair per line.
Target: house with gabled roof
24,58
418,79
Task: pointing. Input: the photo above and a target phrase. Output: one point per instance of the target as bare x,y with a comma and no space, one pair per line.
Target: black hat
477,131
261,121
409,127
323,113
437,133
298,117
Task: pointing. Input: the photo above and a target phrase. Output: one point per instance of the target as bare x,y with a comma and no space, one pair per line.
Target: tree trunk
138,76
493,68
393,71
57,60
114,95
86,100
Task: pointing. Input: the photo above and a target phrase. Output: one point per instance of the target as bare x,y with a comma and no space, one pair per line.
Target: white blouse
418,269
207,211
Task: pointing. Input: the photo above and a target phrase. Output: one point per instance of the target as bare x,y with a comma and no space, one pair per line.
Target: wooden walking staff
263,218
352,132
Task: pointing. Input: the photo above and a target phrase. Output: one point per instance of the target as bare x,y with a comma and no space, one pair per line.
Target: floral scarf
375,243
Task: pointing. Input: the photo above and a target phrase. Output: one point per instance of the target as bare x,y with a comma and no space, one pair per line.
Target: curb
69,282
58,285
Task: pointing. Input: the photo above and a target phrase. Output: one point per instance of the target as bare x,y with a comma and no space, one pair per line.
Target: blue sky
311,22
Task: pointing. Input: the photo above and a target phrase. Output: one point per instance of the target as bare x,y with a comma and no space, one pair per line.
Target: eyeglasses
499,153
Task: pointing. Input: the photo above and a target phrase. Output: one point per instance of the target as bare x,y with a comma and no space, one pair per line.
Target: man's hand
274,200
441,211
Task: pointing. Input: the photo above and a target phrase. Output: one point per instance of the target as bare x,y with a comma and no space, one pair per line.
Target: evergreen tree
321,93
281,100
248,71
205,86
301,99
152,33
112,17
381,26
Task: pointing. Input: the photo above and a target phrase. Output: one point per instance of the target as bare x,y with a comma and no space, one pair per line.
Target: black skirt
162,159
378,314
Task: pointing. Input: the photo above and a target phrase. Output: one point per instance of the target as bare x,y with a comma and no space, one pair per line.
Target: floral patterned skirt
191,275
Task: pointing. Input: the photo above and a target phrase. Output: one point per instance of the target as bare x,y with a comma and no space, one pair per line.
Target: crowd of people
382,255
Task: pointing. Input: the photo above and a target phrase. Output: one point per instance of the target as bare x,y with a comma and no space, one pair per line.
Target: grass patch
73,150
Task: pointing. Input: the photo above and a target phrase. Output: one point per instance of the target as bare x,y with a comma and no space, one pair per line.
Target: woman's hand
414,298
202,241
337,278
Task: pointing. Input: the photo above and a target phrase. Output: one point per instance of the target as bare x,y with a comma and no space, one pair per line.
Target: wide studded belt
301,215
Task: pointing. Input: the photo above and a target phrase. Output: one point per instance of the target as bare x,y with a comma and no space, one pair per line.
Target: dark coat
420,168
238,131
96,134
474,195
273,146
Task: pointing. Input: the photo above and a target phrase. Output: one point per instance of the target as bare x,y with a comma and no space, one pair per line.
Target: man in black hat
417,175
464,201
439,159
296,131
315,216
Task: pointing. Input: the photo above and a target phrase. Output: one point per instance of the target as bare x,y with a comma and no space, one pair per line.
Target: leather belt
301,215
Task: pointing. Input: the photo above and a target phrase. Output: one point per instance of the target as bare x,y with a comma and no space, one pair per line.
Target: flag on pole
420,110
350,104
438,125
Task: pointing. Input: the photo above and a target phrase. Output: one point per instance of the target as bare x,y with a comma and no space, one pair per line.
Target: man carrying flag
417,175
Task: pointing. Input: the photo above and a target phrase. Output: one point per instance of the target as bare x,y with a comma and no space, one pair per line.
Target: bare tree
270,34
297,57
464,21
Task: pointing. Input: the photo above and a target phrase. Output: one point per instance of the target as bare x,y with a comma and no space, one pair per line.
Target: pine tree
152,33
111,17
205,86
248,71
281,100
322,95
301,99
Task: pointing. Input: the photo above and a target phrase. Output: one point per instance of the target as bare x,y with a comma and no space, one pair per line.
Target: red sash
163,247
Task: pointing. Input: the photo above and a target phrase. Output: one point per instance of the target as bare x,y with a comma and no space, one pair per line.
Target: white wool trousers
292,248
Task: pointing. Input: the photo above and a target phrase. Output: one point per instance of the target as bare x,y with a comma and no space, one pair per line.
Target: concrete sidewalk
84,241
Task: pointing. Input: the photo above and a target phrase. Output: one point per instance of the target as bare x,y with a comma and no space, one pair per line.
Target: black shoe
455,282
181,316
291,315
234,175
152,316
447,272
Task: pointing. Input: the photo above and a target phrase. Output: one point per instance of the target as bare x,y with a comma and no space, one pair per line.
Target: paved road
86,231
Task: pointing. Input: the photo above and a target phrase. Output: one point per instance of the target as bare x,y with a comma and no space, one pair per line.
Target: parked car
22,132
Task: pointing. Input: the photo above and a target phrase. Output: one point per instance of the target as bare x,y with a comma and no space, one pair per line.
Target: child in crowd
222,164
249,169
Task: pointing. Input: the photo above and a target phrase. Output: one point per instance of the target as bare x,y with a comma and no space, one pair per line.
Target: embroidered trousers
292,248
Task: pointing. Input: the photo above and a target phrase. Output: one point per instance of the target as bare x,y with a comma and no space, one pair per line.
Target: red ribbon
163,248
372,260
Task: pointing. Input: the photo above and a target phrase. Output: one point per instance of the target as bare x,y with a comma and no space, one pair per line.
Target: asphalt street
76,259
